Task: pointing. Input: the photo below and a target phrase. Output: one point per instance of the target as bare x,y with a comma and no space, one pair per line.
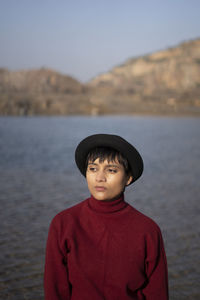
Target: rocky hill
37,81
165,82
43,91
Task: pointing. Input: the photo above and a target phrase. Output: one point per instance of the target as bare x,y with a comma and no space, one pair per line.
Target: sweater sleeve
56,283
156,268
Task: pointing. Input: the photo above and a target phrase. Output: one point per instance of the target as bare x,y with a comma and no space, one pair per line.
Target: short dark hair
110,154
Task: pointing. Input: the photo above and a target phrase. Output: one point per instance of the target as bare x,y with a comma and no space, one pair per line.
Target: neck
107,206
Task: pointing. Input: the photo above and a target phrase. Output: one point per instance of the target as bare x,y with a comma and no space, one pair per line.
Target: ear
130,178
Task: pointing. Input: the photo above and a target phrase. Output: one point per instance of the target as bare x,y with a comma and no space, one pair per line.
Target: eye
92,169
110,170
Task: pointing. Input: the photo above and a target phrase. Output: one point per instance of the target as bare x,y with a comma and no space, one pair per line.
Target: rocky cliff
165,82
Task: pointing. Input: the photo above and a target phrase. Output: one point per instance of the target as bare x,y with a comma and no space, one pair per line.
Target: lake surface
39,178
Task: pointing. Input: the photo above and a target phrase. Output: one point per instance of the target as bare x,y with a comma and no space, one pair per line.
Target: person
103,248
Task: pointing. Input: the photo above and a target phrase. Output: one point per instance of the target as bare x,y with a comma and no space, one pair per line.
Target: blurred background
71,69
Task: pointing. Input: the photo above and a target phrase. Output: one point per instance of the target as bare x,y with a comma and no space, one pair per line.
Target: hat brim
113,141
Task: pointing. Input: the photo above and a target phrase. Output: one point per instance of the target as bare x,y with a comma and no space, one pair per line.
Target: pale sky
84,38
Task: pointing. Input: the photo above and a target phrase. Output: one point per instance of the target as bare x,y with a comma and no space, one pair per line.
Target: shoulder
69,214
143,223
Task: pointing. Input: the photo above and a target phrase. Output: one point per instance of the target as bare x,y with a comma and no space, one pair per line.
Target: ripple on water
36,184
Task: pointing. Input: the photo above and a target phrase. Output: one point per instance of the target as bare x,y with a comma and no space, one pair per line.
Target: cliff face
165,82
173,69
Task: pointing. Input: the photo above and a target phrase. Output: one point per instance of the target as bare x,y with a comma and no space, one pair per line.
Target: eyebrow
108,166
116,166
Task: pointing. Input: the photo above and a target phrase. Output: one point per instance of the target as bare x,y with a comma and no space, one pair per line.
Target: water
38,178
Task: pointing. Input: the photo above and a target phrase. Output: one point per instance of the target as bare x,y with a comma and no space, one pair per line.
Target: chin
104,197
99,197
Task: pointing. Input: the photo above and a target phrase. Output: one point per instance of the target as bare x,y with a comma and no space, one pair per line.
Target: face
106,180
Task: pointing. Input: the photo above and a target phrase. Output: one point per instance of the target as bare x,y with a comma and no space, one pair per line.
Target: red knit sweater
104,250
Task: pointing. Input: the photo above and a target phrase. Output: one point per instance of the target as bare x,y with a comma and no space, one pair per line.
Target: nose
100,176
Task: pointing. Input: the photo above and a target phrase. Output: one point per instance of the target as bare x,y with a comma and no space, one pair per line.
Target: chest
108,250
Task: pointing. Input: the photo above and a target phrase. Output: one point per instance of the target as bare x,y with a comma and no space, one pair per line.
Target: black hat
112,141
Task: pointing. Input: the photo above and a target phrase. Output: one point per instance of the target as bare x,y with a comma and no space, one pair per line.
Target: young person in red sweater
103,248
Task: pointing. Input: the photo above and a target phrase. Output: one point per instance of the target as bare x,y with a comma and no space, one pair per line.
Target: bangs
109,154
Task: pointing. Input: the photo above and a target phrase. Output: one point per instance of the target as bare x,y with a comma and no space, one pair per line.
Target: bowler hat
112,141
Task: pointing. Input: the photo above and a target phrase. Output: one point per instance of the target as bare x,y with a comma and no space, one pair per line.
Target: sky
84,38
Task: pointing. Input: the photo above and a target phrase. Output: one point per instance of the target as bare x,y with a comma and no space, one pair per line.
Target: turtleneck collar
102,206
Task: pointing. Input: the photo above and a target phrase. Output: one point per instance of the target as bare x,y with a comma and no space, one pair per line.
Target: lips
100,188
